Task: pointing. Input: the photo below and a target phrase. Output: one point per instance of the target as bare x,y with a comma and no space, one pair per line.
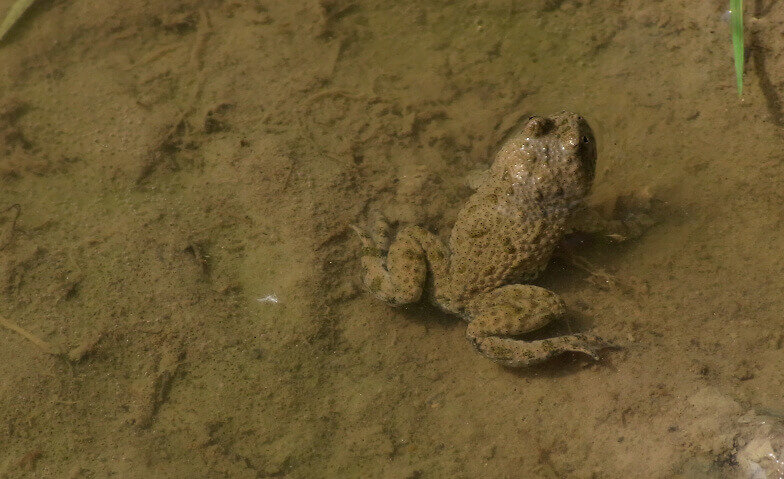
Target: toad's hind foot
399,275
515,353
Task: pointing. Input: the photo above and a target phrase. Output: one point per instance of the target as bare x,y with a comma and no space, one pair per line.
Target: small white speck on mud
270,298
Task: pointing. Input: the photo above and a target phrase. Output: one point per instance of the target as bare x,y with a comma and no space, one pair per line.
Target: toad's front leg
631,226
497,316
635,221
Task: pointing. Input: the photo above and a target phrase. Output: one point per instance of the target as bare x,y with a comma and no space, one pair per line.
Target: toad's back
500,239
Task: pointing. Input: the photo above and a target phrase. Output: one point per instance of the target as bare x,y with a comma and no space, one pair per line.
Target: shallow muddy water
181,293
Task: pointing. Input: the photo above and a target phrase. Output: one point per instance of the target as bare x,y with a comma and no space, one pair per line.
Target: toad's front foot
630,219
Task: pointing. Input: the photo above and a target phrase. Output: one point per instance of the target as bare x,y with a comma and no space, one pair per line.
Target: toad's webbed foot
517,309
516,353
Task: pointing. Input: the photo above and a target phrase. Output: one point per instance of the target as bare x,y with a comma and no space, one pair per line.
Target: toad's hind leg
517,309
400,276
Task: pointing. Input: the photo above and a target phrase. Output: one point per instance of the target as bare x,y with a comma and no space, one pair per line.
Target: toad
503,238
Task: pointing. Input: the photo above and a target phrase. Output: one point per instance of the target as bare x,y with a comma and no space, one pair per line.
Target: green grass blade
736,24
14,14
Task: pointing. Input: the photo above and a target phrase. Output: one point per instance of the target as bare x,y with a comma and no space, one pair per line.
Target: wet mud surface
177,183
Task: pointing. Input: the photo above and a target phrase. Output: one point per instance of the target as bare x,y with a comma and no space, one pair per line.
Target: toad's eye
585,139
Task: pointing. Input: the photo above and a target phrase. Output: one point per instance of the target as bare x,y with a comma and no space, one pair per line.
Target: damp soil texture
179,288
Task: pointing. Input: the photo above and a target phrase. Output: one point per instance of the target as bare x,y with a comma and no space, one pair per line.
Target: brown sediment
153,217
44,346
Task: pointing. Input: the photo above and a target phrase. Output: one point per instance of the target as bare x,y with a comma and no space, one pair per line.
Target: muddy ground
178,177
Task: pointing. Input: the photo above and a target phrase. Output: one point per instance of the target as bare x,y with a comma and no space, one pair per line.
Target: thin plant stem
736,24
